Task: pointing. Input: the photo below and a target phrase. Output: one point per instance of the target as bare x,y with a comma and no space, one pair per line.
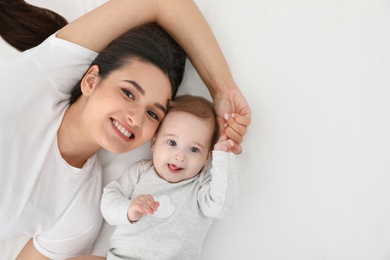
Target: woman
50,177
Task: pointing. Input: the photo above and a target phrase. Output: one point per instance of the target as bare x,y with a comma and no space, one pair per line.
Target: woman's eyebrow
142,91
136,85
161,107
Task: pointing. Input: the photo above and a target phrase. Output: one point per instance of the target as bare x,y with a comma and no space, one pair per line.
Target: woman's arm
184,21
30,252
181,18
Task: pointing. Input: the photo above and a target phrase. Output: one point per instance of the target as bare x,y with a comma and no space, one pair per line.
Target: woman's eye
153,115
194,149
128,93
171,143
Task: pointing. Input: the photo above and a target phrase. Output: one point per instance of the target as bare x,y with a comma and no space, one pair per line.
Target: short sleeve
63,62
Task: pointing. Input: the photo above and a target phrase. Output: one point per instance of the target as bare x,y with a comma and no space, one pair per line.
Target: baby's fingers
236,149
146,203
224,144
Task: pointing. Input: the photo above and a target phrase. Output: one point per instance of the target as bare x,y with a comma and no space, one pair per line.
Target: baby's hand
224,144
142,206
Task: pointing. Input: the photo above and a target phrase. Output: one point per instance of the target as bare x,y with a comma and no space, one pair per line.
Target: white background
315,171
315,179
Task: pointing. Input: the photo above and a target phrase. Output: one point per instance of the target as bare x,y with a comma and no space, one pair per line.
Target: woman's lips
122,131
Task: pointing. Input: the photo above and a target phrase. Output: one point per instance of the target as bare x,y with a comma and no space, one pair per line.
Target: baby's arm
142,206
116,196
218,195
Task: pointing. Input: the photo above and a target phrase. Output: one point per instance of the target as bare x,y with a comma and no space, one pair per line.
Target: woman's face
123,111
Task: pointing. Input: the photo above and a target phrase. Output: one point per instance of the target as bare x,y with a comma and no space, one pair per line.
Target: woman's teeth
121,129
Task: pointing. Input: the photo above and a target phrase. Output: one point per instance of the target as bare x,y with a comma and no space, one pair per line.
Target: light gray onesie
186,212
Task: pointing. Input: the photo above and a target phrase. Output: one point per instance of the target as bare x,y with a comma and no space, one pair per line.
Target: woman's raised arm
181,18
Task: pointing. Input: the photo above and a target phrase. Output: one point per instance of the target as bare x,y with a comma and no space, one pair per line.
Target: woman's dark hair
24,26
149,43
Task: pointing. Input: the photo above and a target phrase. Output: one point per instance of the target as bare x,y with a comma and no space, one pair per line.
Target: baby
164,207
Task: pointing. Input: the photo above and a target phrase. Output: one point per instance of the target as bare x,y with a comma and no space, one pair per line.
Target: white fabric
40,194
194,205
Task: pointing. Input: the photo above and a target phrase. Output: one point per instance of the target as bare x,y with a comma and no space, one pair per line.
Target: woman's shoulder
62,47
63,62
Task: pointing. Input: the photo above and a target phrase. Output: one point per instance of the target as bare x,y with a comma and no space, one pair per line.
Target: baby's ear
208,157
153,141
90,80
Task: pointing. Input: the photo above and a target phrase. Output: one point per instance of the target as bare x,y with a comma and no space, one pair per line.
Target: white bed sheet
315,171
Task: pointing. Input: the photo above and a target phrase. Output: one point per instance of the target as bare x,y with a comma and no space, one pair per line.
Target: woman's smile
123,132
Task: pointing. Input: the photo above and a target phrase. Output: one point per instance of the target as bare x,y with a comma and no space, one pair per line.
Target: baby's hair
199,107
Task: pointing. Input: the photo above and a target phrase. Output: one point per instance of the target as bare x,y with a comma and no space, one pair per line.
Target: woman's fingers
235,127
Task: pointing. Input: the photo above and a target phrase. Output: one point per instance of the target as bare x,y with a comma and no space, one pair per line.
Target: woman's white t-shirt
40,194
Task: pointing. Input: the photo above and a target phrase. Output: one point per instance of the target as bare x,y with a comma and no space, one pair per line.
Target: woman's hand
234,116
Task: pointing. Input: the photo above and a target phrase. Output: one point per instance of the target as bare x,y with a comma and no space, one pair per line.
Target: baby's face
181,147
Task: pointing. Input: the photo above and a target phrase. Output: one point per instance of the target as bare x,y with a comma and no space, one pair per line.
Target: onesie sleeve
116,195
219,192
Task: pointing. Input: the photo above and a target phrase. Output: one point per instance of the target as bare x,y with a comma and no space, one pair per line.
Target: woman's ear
90,80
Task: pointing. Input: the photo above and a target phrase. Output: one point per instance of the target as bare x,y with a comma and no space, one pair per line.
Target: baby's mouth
173,168
122,129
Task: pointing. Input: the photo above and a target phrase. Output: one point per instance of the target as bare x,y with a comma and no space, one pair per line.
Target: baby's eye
171,143
153,115
194,149
128,93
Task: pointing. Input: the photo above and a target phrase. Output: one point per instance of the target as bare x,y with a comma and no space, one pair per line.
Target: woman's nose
135,118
